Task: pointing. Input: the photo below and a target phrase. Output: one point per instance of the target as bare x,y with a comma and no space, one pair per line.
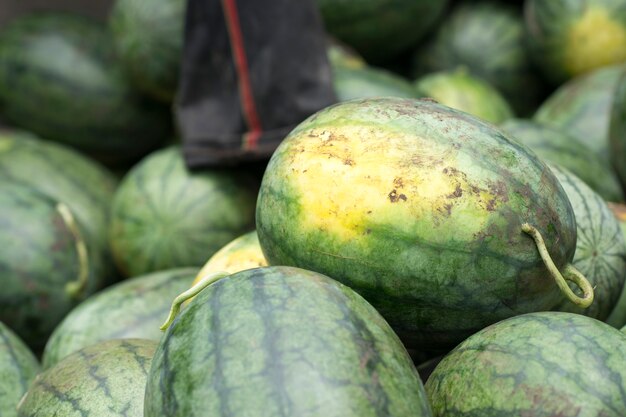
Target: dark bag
251,71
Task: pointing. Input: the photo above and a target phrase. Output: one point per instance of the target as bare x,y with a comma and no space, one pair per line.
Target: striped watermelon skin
600,246
558,147
419,208
282,341
351,83
539,364
134,308
39,258
164,216
103,380
18,368
59,79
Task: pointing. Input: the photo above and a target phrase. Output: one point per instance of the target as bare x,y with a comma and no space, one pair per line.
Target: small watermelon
164,216
103,380
18,368
423,210
281,341
558,147
465,92
538,364
351,83
134,308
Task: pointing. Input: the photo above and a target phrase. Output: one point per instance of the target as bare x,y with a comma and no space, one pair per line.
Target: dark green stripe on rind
281,341
539,364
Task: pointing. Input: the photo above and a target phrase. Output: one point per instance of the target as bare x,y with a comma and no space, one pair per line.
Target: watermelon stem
206,280
569,272
75,289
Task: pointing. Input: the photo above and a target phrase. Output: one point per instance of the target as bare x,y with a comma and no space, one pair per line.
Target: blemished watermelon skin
18,368
539,364
107,379
59,78
134,308
164,216
419,208
282,341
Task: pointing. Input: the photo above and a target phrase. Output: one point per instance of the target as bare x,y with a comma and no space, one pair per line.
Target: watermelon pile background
388,261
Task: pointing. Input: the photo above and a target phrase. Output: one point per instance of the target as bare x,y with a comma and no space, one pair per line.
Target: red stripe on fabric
241,62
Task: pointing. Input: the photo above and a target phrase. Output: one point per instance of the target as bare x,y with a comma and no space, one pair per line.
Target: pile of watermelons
455,220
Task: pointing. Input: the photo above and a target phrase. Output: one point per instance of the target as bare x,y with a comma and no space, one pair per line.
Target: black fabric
289,76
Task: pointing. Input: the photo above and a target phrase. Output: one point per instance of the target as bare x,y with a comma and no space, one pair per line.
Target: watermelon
380,29
558,147
538,364
132,309
617,129
572,37
487,38
281,341
600,246
617,318
582,108
148,38
465,92
420,208
164,216
351,83
103,380
341,55
18,368
59,79
45,262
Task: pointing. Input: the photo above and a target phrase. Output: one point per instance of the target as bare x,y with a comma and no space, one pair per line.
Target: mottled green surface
38,259
103,380
351,83
419,208
617,318
487,38
582,108
282,341
18,367
135,308
164,217
148,37
617,129
537,365
600,246
380,29
558,147
465,92
59,78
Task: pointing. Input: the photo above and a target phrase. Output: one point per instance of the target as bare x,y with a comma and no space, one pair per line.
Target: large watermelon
351,83
280,341
104,380
18,368
462,91
558,147
165,216
59,78
573,37
421,209
134,308
488,39
541,364
582,108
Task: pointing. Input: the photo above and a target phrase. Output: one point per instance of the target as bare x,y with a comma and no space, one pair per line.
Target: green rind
617,129
18,368
558,147
104,380
582,108
540,364
617,318
134,308
59,79
467,93
600,246
164,216
433,281
281,341
351,83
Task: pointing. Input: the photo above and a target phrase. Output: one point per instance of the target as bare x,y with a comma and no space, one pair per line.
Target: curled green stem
569,272
76,288
207,280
